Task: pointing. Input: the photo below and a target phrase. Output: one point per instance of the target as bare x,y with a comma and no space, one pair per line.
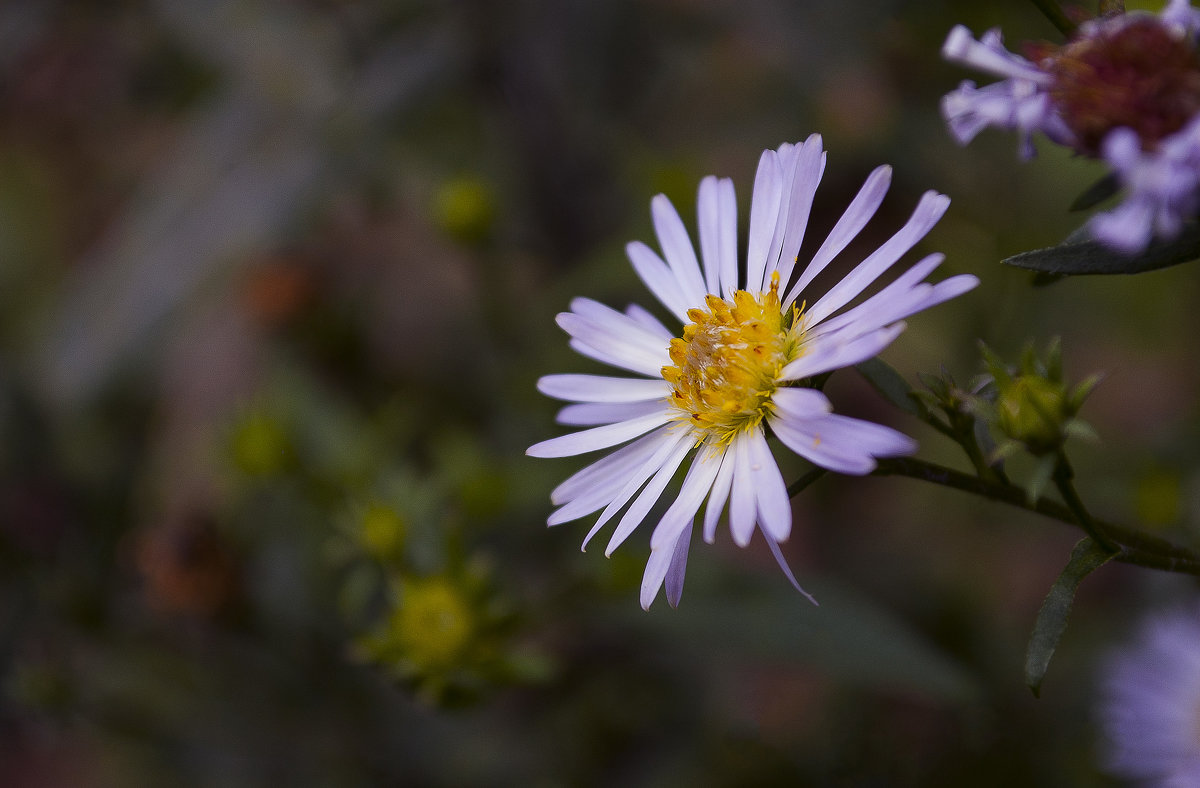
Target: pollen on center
727,363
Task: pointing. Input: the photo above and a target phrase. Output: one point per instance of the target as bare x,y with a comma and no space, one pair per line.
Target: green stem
1064,476
1134,547
798,486
1056,16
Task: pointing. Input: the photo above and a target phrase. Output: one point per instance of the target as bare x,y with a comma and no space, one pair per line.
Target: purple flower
735,369
1163,188
1124,89
1022,102
1150,703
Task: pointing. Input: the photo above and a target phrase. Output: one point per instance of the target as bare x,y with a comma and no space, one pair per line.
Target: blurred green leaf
1052,618
890,383
1097,193
1093,257
847,637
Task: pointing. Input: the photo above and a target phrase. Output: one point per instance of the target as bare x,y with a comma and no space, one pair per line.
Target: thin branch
1134,546
1056,16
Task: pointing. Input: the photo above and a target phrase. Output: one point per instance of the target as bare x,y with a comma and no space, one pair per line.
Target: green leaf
1093,257
1052,618
891,384
1097,193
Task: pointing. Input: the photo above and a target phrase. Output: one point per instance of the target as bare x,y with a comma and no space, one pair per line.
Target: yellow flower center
727,363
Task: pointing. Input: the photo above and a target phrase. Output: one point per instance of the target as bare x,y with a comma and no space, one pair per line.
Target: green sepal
1086,557
1042,473
1093,257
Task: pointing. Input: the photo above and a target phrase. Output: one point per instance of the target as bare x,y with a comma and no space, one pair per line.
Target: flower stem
1132,546
1056,16
1064,476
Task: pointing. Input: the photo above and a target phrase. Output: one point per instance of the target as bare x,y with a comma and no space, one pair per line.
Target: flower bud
1032,410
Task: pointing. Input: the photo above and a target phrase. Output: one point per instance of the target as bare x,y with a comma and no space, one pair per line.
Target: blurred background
277,278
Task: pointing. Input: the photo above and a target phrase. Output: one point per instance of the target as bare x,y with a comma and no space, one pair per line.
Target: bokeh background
277,278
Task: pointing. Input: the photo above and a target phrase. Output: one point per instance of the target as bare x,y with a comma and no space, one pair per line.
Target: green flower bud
1032,410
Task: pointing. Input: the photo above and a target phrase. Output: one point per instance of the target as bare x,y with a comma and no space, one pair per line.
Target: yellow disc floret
727,363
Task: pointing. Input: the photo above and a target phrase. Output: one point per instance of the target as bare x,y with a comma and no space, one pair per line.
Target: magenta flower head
1150,703
750,335
1124,89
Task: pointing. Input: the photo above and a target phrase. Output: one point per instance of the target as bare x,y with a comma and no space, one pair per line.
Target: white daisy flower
736,371
1150,703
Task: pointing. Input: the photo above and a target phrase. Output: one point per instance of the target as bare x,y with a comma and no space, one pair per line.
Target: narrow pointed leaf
891,384
1097,193
1052,618
1093,257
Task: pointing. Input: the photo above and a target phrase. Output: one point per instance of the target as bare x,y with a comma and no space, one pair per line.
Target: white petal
618,464
696,485
801,403
594,487
600,388
667,562
806,175
928,211
678,567
664,456
598,437
649,322
708,224
600,320
719,494
590,413
861,209
742,505
658,277
728,242
649,496
802,438
840,443
634,362
677,249
774,506
834,352
764,213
